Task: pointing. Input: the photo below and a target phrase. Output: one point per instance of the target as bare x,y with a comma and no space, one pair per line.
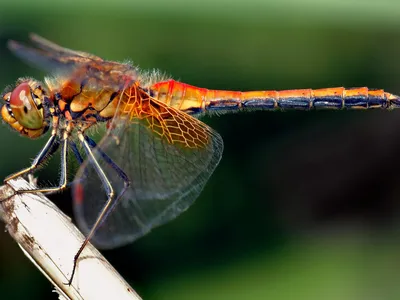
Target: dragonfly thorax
24,109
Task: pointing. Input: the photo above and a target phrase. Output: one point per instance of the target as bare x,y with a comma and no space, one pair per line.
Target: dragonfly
155,156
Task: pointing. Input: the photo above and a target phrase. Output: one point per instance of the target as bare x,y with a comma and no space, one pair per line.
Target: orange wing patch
175,126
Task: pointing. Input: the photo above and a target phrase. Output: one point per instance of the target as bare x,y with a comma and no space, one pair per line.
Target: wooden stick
50,240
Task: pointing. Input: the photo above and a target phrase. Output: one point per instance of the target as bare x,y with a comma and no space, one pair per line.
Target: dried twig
50,241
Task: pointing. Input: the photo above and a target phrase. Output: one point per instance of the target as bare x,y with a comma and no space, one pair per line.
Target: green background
304,205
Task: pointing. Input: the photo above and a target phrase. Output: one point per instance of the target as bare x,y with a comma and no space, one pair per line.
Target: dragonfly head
24,108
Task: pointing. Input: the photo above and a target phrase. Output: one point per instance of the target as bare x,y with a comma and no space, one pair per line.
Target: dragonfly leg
63,177
109,161
48,149
88,144
78,157
105,157
75,150
117,169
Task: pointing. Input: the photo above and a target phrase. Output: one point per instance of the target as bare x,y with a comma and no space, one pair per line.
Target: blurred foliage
304,204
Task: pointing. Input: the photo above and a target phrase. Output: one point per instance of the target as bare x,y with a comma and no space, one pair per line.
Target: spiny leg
49,148
88,144
79,159
117,169
108,159
63,177
76,152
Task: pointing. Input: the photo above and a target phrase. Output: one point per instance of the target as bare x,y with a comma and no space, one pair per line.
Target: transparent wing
73,64
51,47
49,56
168,157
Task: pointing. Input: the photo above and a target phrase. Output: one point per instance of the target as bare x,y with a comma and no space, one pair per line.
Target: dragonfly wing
70,63
168,158
51,47
46,60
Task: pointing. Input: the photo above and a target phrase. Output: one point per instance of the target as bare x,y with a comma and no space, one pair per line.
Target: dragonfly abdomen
303,99
195,100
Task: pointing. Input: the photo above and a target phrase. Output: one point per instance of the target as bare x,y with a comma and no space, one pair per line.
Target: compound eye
24,108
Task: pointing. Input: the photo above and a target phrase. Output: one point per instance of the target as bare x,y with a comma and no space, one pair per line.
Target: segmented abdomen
195,100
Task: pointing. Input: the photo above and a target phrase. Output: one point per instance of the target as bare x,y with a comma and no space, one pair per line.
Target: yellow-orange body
192,99
156,156
140,102
94,100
